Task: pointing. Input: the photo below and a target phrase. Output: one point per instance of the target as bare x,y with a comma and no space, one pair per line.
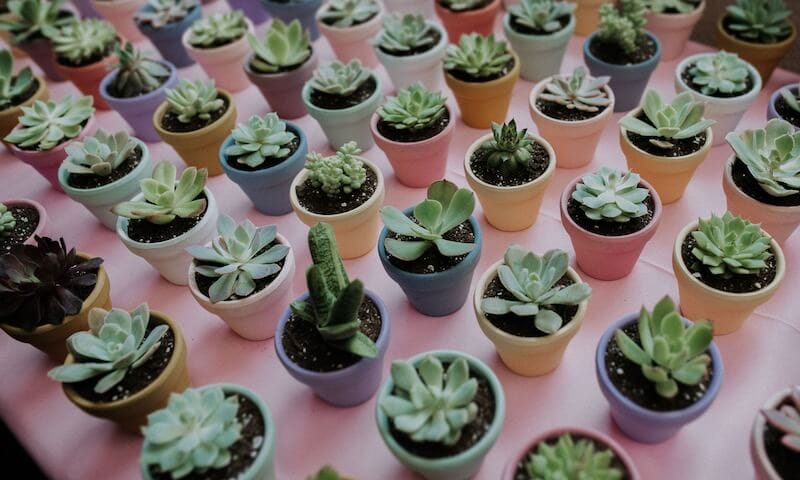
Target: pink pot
223,64
41,228
604,257
353,42
472,21
120,14
283,90
673,30
416,164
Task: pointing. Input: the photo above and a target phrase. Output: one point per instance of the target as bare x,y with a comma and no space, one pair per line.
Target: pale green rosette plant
82,40
260,138
671,6
679,120
45,124
477,56
623,25
194,99
7,221
786,419
347,13
137,72
541,15
30,18
284,46
326,473
578,91
759,21
164,12
340,173
730,245
721,72
414,108
569,459
611,195
218,29
790,98
337,78
99,155
12,86
509,149
772,156
403,33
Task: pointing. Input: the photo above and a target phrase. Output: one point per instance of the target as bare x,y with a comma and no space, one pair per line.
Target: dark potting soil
537,165
136,379
628,378
465,77
317,201
476,7
22,97
86,181
434,35
330,101
609,228
784,460
140,230
288,68
785,111
610,52
116,91
432,261
737,283
355,23
680,147
269,162
561,112
526,30
470,434
520,473
746,183
306,347
674,11
687,79
243,452
407,136
107,50
170,122
726,22
36,148
27,219
525,326
204,283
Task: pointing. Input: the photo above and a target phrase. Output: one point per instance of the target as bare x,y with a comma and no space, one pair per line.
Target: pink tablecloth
759,359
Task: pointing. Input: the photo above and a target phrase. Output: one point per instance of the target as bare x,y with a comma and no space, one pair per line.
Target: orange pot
88,77
10,116
587,16
764,56
472,21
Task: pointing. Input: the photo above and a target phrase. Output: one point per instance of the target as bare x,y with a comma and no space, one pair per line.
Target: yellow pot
9,116
587,16
764,56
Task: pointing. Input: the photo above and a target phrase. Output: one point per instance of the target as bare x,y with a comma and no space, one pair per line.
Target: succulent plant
164,198
668,352
164,12
405,32
137,72
284,46
45,124
12,86
29,18
772,156
622,25
238,257
790,98
429,404
413,108
260,138
114,345
509,149
669,6
346,13
7,221
761,21
681,119
731,245
720,72
340,173
445,208
100,154
194,99
611,195
541,15
337,78
478,56
578,91
334,301
532,279
462,5
326,473
81,40
786,418
38,283
193,433
569,459
220,27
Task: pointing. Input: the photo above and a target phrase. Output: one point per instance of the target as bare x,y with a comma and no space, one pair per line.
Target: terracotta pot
284,90
482,103
120,14
668,175
587,16
356,231
9,116
353,42
764,56
200,148
673,30
88,77
727,311
527,356
425,67
52,339
540,55
41,229
223,63
510,209
758,452
472,21
574,143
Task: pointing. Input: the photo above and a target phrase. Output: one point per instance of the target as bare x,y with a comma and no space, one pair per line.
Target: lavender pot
167,39
283,91
641,424
85,9
41,51
253,9
349,386
303,10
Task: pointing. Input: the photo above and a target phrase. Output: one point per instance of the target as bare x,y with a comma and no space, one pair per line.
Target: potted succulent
219,44
253,10
665,143
432,249
761,180
342,98
481,72
244,276
328,473
725,268
672,22
345,191
21,221
461,17
449,385
121,14
727,85
334,337
17,90
420,7
761,32
164,22
280,65
775,436
530,307
570,112
195,119
47,291
587,16
169,215
411,49
304,11
263,156
538,31
44,131
414,130
609,216
623,50
349,26
785,104
509,170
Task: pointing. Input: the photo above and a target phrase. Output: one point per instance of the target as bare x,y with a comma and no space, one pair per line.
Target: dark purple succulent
42,284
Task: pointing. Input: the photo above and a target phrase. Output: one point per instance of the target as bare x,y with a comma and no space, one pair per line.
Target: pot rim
161,110
249,58
757,433
728,177
660,158
447,130
117,4
143,163
491,84
306,97
170,26
543,178
106,81
36,96
99,64
353,29
605,114
698,12
773,99
569,27
431,52
745,98
492,5
655,59
222,49
754,45
264,172
19,201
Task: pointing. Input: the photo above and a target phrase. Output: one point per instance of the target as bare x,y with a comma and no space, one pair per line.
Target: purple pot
284,91
639,423
167,39
771,111
252,9
138,111
349,386
85,9
41,51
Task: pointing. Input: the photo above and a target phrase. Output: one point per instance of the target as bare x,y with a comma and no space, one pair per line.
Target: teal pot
99,201
540,56
263,467
346,124
465,464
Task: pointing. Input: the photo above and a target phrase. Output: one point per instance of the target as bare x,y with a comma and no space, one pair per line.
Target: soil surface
674,11
526,30
465,77
561,112
432,261
680,147
170,122
107,50
22,97
537,165
317,201
204,283
269,162
330,101
736,283
610,228
610,52
140,230
432,34
408,136
726,25
786,462
521,473
86,181
116,91
746,183
687,79
785,111
27,219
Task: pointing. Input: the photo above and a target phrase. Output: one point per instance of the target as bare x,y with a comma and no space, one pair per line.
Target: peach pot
727,311
120,13
673,30
587,16
758,452
224,63
353,42
764,56
88,77
472,21
9,116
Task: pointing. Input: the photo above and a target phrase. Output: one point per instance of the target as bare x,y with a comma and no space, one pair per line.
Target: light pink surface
759,359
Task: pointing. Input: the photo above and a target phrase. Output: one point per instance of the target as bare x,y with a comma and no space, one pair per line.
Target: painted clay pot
765,57
771,109
673,30
41,52
88,77
479,21
85,8
417,7
284,90
353,42
9,116
424,67
41,229
303,10
223,63
587,16
167,39
758,452
540,55
253,9
120,14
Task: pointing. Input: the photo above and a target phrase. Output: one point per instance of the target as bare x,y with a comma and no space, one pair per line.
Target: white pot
540,56
353,42
418,7
761,462
425,68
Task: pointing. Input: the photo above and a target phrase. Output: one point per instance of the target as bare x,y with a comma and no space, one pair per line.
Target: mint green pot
263,467
466,464
540,56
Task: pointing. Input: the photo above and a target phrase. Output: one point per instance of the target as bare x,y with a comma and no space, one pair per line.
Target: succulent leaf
720,72
681,119
164,12
12,86
348,13
337,78
403,33
759,21
137,72
730,245
46,124
478,56
786,419
623,25
283,47
611,195
509,149
541,15
260,138
577,91
340,173
564,458
413,108
772,156
82,40
217,28
99,155
7,221
31,18
194,99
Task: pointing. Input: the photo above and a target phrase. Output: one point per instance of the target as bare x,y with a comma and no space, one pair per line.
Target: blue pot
627,81
167,39
268,189
435,294
252,10
303,10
